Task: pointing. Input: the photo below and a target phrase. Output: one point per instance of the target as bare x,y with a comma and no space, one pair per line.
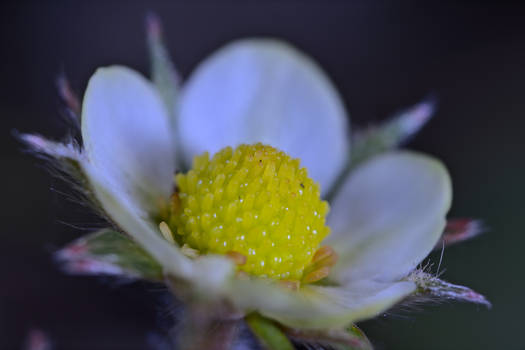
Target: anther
242,275
316,275
322,253
166,232
324,258
289,284
237,258
189,252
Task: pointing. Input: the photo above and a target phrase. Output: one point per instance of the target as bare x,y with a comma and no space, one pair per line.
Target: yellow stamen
189,252
324,258
242,275
166,232
238,258
291,285
323,253
316,275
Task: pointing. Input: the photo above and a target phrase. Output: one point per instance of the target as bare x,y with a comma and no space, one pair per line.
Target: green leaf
268,333
351,338
107,252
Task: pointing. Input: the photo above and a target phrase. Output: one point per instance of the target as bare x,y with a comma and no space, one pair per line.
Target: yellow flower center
254,204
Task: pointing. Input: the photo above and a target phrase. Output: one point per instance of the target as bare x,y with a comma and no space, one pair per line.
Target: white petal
209,275
136,222
130,165
319,307
388,216
212,275
126,134
262,90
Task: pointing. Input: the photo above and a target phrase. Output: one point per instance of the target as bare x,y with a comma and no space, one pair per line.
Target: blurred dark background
382,57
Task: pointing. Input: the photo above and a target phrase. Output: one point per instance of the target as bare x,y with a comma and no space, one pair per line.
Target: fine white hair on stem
440,258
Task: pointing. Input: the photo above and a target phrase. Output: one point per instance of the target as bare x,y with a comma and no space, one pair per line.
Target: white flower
386,215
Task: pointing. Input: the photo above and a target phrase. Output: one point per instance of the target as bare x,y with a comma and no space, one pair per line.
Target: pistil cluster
257,206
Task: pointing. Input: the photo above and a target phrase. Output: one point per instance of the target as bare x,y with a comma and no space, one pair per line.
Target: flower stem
202,329
270,336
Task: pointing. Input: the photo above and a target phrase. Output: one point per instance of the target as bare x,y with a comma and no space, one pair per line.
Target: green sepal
429,286
107,252
392,133
350,338
268,333
164,75
359,334
163,72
